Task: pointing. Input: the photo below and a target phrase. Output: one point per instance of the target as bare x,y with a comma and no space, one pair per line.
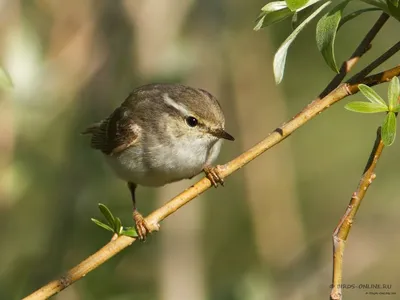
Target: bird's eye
192,121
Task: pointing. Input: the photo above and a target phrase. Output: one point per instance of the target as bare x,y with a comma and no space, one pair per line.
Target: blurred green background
266,235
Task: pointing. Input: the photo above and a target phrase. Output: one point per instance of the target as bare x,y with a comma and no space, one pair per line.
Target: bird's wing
114,134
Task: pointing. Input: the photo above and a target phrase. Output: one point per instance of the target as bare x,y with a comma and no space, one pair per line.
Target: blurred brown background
266,235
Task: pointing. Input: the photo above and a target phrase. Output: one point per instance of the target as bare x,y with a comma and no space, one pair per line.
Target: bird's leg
141,226
212,174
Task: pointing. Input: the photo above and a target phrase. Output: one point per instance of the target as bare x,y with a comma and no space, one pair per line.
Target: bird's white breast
162,164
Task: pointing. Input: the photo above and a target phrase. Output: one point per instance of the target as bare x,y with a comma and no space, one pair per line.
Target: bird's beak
222,134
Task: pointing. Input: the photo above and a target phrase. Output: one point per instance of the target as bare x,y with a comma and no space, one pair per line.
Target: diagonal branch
278,135
334,92
376,63
343,229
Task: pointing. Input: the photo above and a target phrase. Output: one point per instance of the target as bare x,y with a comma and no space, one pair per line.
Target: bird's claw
212,174
141,226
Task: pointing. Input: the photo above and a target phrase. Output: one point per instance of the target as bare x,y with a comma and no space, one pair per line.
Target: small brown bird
160,134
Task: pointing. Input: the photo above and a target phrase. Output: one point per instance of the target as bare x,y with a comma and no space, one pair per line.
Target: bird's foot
212,174
141,226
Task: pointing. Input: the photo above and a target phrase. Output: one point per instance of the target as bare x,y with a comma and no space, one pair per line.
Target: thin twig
279,134
341,232
376,63
362,48
372,80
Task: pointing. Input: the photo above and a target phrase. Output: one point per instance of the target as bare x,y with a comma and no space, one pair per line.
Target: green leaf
117,226
309,3
394,9
299,16
296,4
327,27
393,92
396,108
280,55
377,3
371,95
5,79
107,214
102,225
388,130
272,13
355,14
129,231
365,107
274,6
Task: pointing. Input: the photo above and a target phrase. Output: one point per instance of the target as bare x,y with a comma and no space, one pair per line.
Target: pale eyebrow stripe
179,107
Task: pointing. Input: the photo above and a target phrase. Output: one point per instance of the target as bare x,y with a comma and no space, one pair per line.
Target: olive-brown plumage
160,134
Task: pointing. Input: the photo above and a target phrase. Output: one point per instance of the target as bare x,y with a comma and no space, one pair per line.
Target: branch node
154,226
347,89
371,178
65,281
336,294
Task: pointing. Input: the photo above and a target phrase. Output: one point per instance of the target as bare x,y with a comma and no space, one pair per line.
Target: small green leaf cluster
303,12
376,104
114,223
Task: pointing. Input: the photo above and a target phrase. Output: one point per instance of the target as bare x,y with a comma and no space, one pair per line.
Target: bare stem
342,230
